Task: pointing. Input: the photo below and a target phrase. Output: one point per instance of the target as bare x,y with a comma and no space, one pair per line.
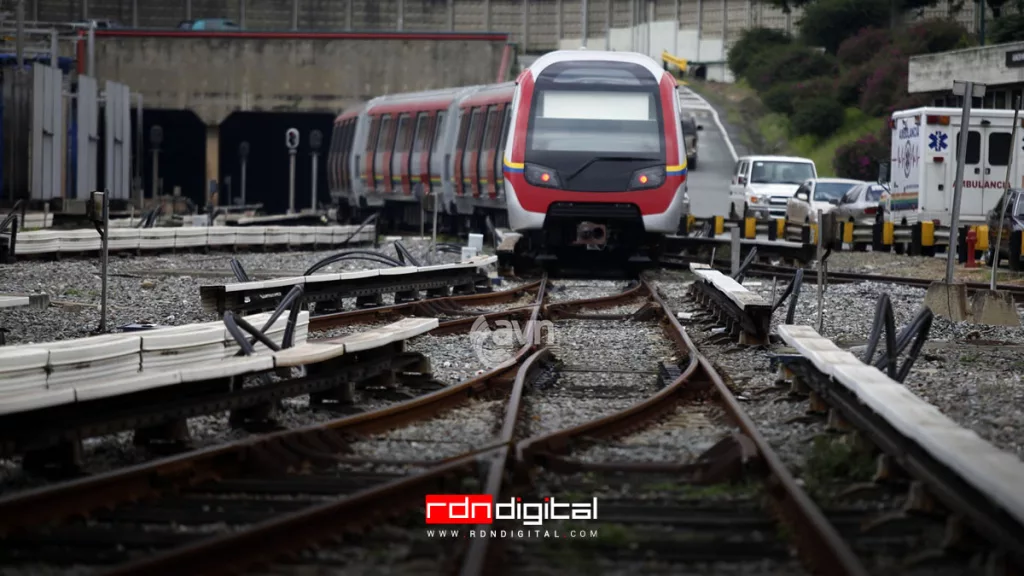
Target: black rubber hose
289,298
884,321
289,330
352,255
926,316
257,333
922,321
404,254
237,334
793,284
738,276
367,221
240,274
10,217
798,282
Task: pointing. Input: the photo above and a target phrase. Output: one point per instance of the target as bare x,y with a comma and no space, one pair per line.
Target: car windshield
827,191
1019,209
771,172
875,193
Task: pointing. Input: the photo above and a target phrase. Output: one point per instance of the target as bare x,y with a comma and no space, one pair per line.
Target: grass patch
831,459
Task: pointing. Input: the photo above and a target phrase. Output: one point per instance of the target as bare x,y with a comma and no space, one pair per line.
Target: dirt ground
916,267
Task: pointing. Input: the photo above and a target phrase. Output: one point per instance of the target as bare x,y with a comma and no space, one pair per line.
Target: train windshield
596,123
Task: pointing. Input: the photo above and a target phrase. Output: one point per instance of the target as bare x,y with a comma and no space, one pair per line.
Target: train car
476,155
594,159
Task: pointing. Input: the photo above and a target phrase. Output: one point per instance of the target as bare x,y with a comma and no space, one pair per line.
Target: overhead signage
1015,58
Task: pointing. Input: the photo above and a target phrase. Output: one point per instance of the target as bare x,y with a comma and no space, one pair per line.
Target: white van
761,186
924,153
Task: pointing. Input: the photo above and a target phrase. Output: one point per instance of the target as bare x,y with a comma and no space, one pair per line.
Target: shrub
819,117
820,87
887,84
863,47
791,63
1007,28
828,22
752,42
850,85
932,36
779,98
860,159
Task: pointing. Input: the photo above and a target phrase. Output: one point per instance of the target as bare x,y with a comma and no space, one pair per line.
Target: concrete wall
215,76
985,65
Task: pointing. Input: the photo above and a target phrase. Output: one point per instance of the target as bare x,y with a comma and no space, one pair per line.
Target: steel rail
336,319
268,540
58,502
817,539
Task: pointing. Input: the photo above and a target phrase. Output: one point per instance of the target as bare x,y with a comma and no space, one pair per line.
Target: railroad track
682,473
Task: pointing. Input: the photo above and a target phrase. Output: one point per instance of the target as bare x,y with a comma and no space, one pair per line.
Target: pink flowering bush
886,84
860,159
863,47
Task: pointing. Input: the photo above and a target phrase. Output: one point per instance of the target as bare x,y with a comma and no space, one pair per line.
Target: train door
435,157
470,174
399,160
385,144
499,157
347,141
486,161
971,200
415,165
371,146
459,180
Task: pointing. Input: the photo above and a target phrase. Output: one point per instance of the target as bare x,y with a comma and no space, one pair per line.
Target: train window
402,137
490,129
438,127
371,140
474,131
385,129
504,130
420,137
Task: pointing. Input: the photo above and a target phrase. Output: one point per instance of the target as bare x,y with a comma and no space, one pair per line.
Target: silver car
861,203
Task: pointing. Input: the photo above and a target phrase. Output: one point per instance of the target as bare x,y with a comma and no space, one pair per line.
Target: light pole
315,139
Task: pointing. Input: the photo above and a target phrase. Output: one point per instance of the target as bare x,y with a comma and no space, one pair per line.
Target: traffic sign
315,139
292,138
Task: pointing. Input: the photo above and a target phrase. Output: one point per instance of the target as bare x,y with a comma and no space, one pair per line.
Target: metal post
821,273
135,13
138,151
243,155
19,35
487,19
241,14
451,13
735,245
1006,186
608,25
295,14
90,68
526,24
188,9
156,172
244,162
675,31
85,9
312,201
291,181
104,259
584,14
434,235
401,15
968,88
981,27
54,54
775,281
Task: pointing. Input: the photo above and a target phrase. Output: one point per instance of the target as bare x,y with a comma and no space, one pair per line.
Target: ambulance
923,165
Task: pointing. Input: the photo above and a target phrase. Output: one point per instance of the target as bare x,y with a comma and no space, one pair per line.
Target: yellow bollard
719,225
928,233
814,233
982,243
887,233
848,232
691,220
780,228
749,228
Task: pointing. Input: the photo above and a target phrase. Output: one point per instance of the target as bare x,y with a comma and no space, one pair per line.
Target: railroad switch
668,373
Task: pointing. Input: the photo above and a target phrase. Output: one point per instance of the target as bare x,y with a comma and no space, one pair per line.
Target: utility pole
156,136
970,91
315,139
292,141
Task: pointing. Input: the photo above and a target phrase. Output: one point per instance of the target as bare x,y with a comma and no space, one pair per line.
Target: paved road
709,183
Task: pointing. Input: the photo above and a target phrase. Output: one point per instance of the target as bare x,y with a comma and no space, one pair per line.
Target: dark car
690,129
1013,221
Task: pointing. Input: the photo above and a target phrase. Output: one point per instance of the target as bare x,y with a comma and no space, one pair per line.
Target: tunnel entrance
267,163
181,157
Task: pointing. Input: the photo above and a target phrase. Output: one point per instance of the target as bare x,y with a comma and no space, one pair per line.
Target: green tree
752,42
827,23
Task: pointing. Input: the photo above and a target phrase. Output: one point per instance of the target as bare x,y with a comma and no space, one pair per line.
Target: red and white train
584,149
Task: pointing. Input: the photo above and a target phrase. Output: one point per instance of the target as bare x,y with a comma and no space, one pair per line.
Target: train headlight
541,176
647,178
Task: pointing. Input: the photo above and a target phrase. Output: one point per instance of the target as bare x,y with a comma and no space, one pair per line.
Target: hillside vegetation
826,93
